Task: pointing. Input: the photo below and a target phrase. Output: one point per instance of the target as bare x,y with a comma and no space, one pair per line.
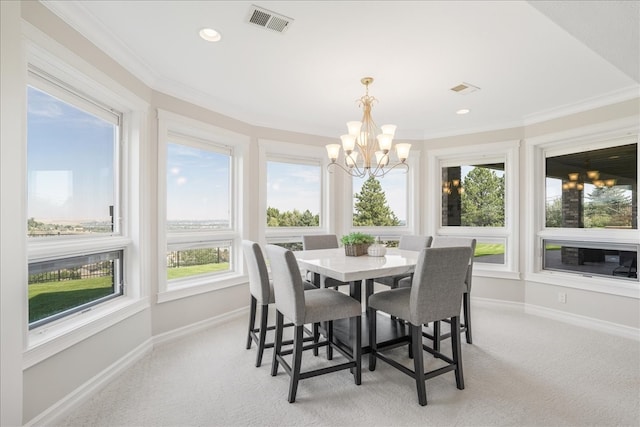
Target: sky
69,161
294,186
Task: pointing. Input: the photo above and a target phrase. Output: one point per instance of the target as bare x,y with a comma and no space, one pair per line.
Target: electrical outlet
562,297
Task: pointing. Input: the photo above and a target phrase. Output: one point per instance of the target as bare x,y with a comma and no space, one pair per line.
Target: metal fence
197,257
99,269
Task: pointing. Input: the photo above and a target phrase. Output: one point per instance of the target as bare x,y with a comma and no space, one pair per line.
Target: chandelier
578,179
366,148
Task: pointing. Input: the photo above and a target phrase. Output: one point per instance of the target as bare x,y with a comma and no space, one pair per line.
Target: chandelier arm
358,174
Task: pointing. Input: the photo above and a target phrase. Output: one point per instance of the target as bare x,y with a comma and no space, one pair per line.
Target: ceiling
531,60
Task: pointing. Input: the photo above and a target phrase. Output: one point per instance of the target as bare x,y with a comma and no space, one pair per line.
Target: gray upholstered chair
444,242
410,243
322,241
435,294
315,306
261,290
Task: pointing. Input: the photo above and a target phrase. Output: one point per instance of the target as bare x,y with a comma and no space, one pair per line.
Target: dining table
353,270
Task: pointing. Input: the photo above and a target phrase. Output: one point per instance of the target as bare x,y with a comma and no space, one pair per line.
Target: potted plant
356,244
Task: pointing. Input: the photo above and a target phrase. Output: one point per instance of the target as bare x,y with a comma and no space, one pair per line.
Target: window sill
50,339
594,284
201,286
498,274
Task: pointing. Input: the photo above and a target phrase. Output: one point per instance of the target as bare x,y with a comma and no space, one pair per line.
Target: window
73,177
294,198
294,193
584,208
592,189
476,197
199,193
590,219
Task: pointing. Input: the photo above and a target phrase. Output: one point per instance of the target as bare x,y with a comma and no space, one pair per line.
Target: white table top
335,264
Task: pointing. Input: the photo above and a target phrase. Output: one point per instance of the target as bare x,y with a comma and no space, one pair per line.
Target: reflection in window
294,194
593,189
473,195
603,259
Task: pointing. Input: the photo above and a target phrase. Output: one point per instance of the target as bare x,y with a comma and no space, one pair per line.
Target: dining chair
437,336
315,306
410,243
435,294
322,241
261,289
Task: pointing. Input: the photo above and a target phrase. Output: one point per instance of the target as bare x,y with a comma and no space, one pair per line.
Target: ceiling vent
267,19
464,88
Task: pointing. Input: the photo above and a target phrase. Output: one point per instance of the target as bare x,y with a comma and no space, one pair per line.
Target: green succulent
356,238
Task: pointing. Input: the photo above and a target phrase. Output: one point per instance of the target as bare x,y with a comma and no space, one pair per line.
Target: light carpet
522,370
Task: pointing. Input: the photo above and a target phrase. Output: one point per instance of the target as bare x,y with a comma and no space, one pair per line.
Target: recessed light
210,35
463,111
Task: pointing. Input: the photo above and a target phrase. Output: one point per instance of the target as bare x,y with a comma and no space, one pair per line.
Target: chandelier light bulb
354,128
403,151
333,151
351,159
384,142
382,159
389,130
348,143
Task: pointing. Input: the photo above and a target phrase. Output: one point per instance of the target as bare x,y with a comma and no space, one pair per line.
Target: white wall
50,381
12,215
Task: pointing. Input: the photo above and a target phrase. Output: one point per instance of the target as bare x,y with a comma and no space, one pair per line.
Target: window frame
387,233
278,151
210,137
604,135
506,152
67,69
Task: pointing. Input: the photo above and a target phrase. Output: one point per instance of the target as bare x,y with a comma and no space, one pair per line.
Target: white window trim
271,150
387,233
47,340
505,151
592,137
171,123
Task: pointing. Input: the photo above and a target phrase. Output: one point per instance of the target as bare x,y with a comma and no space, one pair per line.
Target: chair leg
356,323
316,337
416,337
371,314
456,351
252,320
466,306
277,345
263,333
296,362
436,335
330,339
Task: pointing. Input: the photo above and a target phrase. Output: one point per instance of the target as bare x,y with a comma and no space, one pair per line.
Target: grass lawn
49,298
483,249
193,270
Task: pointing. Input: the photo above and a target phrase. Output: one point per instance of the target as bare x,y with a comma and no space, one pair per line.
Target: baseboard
197,327
584,321
565,317
56,412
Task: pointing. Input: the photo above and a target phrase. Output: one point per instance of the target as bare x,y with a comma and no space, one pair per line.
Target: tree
371,206
554,213
607,206
483,199
294,218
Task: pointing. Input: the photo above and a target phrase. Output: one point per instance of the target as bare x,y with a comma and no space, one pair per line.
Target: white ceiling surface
307,79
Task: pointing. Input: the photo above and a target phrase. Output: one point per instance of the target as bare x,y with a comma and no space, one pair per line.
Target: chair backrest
438,284
258,273
287,284
319,241
447,242
414,243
